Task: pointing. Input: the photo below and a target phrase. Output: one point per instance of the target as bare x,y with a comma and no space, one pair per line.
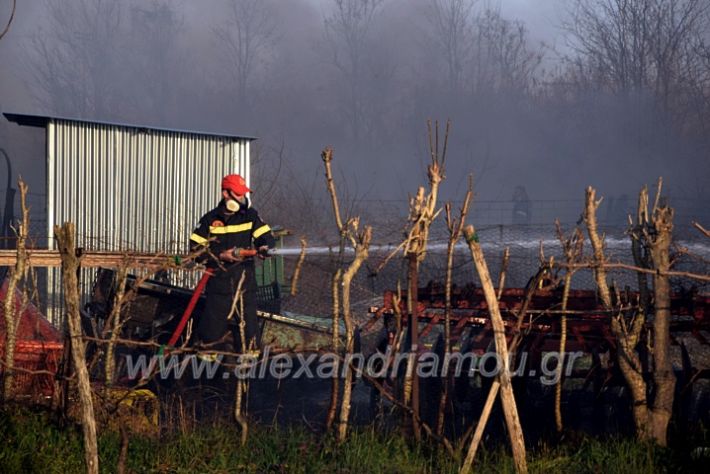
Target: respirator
234,203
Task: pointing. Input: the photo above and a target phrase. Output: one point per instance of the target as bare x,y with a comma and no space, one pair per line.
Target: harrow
588,323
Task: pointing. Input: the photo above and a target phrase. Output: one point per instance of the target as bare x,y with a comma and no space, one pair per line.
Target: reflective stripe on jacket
221,230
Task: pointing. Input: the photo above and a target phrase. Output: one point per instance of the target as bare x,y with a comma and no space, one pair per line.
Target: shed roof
34,120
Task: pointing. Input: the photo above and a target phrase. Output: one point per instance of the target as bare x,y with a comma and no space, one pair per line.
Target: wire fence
498,224
691,252
613,212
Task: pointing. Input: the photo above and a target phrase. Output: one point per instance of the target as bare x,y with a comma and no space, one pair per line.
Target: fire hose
239,253
242,254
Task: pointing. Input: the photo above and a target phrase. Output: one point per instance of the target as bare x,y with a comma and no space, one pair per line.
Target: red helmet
236,184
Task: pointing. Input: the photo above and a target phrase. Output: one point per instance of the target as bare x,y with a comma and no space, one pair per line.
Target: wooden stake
480,428
65,235
510,410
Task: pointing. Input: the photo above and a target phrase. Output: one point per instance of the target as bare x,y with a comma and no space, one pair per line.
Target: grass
32,442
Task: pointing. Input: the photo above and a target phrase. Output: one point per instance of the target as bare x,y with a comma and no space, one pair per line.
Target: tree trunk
441,413
630,366
563,347
663,377
335,382
70,264
115,325
413,382
327,157
11,310
360,256
455,229
590,217
627,338
637,249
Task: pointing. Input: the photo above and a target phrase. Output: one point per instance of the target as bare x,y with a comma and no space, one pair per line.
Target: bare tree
452,27
106,60
155,30
572,247
360,240
348,32
68,58
327,157
422,213
502,57
248,35
12,311
697,80
363,239
481,50
455,227
635,45
9,21
652,399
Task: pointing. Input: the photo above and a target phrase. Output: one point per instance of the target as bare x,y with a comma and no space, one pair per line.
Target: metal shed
131,187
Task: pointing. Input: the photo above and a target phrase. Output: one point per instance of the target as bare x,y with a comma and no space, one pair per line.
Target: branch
389,257
9,22
299,264
625,266
590,218
327,157
503,270
702,229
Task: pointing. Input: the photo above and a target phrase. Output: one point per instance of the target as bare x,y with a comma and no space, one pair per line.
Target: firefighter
233,224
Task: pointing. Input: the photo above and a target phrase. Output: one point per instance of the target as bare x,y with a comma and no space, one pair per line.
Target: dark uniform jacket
222,230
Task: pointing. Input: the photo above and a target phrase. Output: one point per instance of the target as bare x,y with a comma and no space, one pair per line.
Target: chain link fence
499,224
526,244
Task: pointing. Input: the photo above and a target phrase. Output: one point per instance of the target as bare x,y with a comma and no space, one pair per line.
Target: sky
541,16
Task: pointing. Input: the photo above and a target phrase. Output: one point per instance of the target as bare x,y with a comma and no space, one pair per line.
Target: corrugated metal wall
133,189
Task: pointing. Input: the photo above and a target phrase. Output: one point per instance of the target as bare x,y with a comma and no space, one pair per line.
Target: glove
228,256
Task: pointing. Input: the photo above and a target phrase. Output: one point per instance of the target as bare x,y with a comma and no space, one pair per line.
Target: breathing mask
234,203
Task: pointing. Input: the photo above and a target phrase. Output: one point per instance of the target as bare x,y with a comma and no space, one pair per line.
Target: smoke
364,81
